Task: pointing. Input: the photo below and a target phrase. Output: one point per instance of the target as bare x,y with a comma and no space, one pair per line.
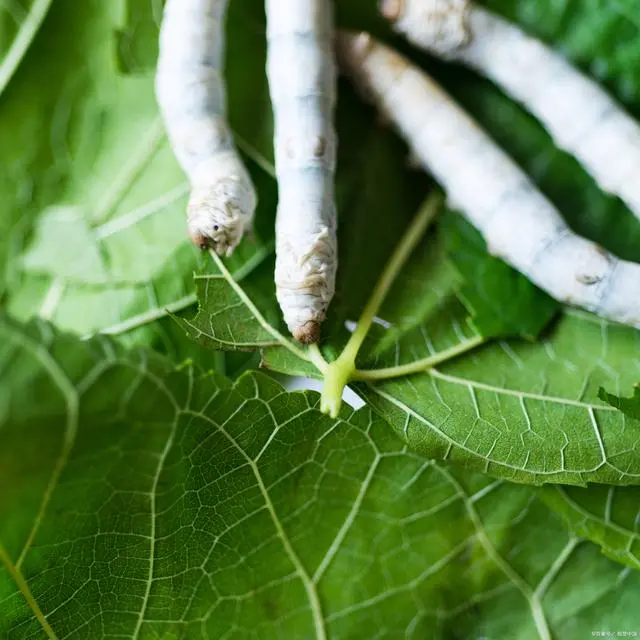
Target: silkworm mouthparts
204,242
200,241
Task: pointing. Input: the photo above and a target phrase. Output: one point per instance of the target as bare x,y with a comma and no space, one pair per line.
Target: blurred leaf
19,23
86,160
609,516
137,40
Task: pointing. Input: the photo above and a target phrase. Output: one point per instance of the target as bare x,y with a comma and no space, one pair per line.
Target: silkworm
519,224
191,94
301,71
579,115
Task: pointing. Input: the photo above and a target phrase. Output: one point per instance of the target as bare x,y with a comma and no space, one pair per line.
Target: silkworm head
391,9
215,219
352,47
352,50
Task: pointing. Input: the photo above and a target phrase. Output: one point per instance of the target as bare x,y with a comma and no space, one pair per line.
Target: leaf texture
165,503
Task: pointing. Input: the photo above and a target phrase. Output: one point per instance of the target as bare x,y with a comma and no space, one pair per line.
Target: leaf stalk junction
340,372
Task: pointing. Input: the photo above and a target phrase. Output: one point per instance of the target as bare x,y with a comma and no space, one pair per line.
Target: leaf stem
537,612
343,369
317,359
21,583
416,230
419,365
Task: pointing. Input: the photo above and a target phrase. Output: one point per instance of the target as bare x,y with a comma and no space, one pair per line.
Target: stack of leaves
489,487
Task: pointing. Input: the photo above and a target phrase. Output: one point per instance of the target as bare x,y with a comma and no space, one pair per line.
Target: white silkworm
302,80
579,115
191,94
518,222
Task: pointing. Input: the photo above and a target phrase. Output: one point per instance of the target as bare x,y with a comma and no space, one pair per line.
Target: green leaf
628,406
501,301
606,515
528,412
137,499
167,337
521,411
167,503
137,40
247,310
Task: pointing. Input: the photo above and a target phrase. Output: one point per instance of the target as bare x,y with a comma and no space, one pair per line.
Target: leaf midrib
305,578
70,396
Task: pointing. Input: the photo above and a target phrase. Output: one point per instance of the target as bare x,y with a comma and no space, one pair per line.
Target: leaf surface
502,302
165,503
525,411
140,500
137,39
608,516
522,411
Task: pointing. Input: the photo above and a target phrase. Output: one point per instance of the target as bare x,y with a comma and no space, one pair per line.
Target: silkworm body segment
302,81
191,94
519,224
580,116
